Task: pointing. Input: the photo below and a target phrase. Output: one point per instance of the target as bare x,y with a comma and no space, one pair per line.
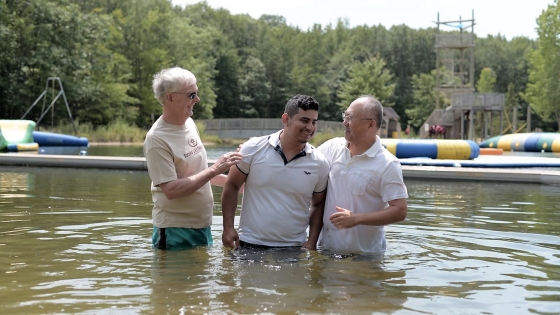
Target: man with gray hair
178,167
366,187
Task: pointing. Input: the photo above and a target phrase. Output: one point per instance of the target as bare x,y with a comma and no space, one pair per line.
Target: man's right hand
230,238
226,161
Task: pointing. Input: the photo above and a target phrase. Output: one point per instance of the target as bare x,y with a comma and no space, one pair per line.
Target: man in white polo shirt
285,182
366,188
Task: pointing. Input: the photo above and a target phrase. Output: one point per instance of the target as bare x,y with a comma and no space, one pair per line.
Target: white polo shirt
362,183
277,196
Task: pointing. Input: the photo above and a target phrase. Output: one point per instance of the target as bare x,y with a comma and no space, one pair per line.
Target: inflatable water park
525,142
432,148
20,135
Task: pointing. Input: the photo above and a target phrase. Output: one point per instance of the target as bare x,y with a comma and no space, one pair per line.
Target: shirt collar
373,150
274,140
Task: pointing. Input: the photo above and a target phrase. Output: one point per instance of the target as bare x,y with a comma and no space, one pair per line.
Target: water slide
527,142
17,135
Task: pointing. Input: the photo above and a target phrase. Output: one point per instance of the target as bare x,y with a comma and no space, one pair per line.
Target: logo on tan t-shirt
193,142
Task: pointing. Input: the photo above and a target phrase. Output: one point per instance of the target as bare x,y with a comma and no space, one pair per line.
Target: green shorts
178,238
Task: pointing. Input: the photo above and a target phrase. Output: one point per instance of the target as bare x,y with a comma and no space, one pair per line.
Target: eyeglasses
350,118
191,95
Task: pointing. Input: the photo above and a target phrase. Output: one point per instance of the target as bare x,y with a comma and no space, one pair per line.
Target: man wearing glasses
366,189
178,167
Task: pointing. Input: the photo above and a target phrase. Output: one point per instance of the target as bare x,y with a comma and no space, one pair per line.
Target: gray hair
170,80
372,108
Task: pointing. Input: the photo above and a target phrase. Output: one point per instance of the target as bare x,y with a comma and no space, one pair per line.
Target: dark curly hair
304,102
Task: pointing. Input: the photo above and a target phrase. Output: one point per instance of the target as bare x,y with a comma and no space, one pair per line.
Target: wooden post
471,124
514,118
528,118
462,124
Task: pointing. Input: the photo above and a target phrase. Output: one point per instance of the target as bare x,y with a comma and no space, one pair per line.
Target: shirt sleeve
326,150
323,178
161,167
248,150
392,183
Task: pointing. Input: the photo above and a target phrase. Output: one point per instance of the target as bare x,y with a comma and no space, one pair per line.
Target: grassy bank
120,132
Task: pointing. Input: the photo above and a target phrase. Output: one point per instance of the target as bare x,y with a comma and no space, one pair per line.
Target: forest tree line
107,51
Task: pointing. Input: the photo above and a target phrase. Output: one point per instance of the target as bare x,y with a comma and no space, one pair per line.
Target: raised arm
185,186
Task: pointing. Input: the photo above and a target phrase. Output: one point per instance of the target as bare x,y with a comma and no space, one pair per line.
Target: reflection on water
76,241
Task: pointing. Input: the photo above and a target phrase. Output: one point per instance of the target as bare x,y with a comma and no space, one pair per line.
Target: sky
509,18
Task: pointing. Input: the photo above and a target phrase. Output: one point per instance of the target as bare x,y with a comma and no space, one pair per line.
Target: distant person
366,188
176,158
285,182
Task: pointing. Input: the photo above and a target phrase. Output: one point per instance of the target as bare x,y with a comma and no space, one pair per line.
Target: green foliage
117,131
321,137
254,88
543,89
368,77
507,59
227,81
423,99
106,53
511,102
486,81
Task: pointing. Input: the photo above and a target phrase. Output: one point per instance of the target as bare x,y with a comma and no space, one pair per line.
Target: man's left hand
343,218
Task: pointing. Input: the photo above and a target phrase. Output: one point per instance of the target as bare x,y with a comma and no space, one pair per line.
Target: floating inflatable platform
443,149
488,162
50,139
528,142
22,147
20,135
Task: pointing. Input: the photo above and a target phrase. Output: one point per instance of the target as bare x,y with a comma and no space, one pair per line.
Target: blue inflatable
443,149
49,139
528,142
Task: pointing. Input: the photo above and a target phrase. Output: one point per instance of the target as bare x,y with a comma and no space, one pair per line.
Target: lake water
213,152
77,241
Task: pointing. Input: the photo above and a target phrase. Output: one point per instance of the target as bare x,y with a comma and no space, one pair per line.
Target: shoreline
115,143
231,142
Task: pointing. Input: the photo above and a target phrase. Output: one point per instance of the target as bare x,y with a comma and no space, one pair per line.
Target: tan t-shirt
174,152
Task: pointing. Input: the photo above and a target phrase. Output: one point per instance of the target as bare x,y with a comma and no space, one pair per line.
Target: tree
227,83
309,67
511,102
486,81
543,89
424,99
275,50
255,88
56,38
369,77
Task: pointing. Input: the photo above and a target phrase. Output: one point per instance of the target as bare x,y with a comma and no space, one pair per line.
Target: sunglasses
191,95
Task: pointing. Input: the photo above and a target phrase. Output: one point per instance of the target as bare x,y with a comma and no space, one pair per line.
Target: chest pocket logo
358,183
192,142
